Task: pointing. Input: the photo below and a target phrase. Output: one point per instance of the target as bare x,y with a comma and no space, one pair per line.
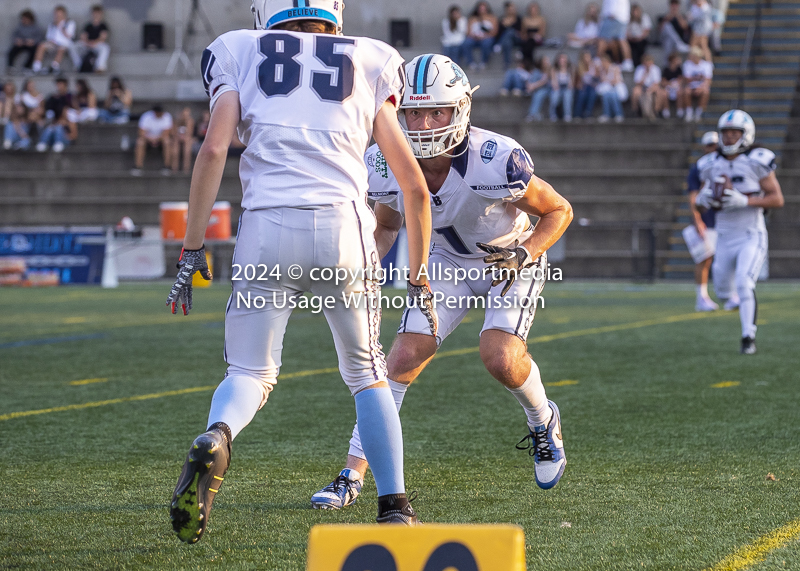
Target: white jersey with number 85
306,99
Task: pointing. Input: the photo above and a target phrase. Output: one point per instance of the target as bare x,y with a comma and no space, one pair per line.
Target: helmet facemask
431,143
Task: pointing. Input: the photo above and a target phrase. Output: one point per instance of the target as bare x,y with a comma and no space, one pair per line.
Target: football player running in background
482,190
305,101
704,225
739,180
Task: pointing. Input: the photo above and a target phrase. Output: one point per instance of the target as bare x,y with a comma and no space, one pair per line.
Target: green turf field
669,433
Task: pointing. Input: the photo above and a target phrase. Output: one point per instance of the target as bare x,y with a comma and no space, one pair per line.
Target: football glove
423,296
505,263
191,261
705,199
734,199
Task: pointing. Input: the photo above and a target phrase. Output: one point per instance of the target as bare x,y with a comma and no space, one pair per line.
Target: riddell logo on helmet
420,97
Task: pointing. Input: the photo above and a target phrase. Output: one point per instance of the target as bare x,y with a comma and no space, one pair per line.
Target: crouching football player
482,190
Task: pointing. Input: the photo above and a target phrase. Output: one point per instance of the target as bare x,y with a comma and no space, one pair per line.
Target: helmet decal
460,76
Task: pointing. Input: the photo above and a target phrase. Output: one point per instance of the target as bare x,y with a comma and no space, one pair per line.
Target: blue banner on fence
52,256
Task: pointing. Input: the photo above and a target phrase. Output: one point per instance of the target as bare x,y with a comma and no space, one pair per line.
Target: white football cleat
705,304
731,304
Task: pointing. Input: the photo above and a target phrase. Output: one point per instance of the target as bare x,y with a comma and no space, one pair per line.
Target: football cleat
546,446
340,493
404,516
705,304
748,346
198,484
732,304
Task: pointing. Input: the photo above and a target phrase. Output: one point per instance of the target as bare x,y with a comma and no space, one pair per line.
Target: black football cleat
402,514
748,346
198,484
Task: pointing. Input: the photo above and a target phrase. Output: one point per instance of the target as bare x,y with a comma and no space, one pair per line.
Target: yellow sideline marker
429,546
88,382
564,383
725,384
756,552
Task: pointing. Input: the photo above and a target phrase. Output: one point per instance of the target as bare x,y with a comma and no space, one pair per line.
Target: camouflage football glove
191,261
423,297
505,263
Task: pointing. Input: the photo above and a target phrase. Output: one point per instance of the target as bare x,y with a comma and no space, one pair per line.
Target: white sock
747,312
55,65
533,399
37,67
702,291
399,393
236,401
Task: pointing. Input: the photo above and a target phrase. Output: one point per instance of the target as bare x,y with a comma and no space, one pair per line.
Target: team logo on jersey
380,165
460,76
488,151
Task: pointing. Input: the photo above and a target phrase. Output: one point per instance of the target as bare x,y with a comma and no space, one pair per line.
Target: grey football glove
191,261
423,296
505,263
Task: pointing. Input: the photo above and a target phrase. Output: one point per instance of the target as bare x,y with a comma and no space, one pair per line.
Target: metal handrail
745,62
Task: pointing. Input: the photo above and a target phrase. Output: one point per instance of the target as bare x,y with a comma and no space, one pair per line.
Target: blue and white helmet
433,81
270,13
741,121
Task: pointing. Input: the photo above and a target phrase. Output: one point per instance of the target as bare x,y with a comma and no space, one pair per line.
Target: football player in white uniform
482,192
739,180
305,101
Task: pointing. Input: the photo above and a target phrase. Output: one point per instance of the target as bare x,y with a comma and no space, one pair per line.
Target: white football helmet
741,121
269,13
432,81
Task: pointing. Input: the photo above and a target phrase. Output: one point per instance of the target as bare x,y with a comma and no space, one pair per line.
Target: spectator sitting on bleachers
118,103
32,100
25,39
586,81
508,35
702,23
534,30
614,18
7,101
672,84
539,87
611,89
697,74
58,128
515,79
586,29
155,130
561,87
200,130
638,33
647,91
481,32
59,38
18,129
92,48
454,32
84,103
674,30
182,141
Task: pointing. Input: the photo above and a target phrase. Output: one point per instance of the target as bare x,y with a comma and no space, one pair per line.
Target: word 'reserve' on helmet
741,121
435,81
270,13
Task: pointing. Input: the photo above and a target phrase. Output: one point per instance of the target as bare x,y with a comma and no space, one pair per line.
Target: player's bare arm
773,195
393,145
553,210
697,219
206,179
389,223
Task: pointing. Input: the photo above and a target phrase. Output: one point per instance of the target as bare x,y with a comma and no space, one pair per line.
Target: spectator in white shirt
702,23
586,29
638,33
611,89
59,38
647,91
155,130
697,74
454,32
614,18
